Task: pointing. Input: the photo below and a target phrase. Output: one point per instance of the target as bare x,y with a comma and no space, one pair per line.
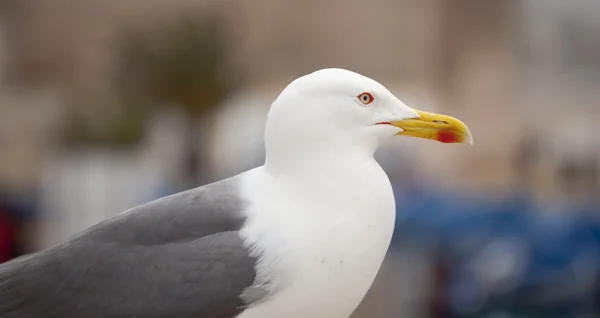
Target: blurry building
561,89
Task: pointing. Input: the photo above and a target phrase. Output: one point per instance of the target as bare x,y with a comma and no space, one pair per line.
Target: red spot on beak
447,137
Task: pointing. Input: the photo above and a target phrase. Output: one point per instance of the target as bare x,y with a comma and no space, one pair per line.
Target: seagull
303,235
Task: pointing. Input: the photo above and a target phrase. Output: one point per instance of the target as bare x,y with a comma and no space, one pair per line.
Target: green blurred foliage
183,65
121,130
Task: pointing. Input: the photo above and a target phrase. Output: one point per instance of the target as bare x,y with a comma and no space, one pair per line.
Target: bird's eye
366,98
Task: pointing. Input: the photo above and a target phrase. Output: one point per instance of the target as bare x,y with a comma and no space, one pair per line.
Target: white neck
328,171
318,155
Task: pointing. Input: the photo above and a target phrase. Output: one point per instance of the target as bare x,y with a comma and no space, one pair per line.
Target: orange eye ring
366,98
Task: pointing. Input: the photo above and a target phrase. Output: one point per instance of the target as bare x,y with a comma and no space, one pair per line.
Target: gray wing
178,257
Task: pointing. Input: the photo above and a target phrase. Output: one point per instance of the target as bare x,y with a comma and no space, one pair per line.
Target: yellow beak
442,128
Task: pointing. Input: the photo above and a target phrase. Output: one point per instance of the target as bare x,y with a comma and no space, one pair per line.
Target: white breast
321,246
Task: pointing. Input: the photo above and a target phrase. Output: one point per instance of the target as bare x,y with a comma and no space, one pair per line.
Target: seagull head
338,109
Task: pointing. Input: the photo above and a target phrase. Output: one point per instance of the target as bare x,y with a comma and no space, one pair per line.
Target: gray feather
180,256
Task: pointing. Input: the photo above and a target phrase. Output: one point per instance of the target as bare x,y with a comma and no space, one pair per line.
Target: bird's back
179,256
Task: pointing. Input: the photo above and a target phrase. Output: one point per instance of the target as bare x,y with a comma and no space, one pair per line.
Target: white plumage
322,209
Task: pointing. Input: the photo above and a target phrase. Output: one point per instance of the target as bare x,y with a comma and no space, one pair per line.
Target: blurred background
108,104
